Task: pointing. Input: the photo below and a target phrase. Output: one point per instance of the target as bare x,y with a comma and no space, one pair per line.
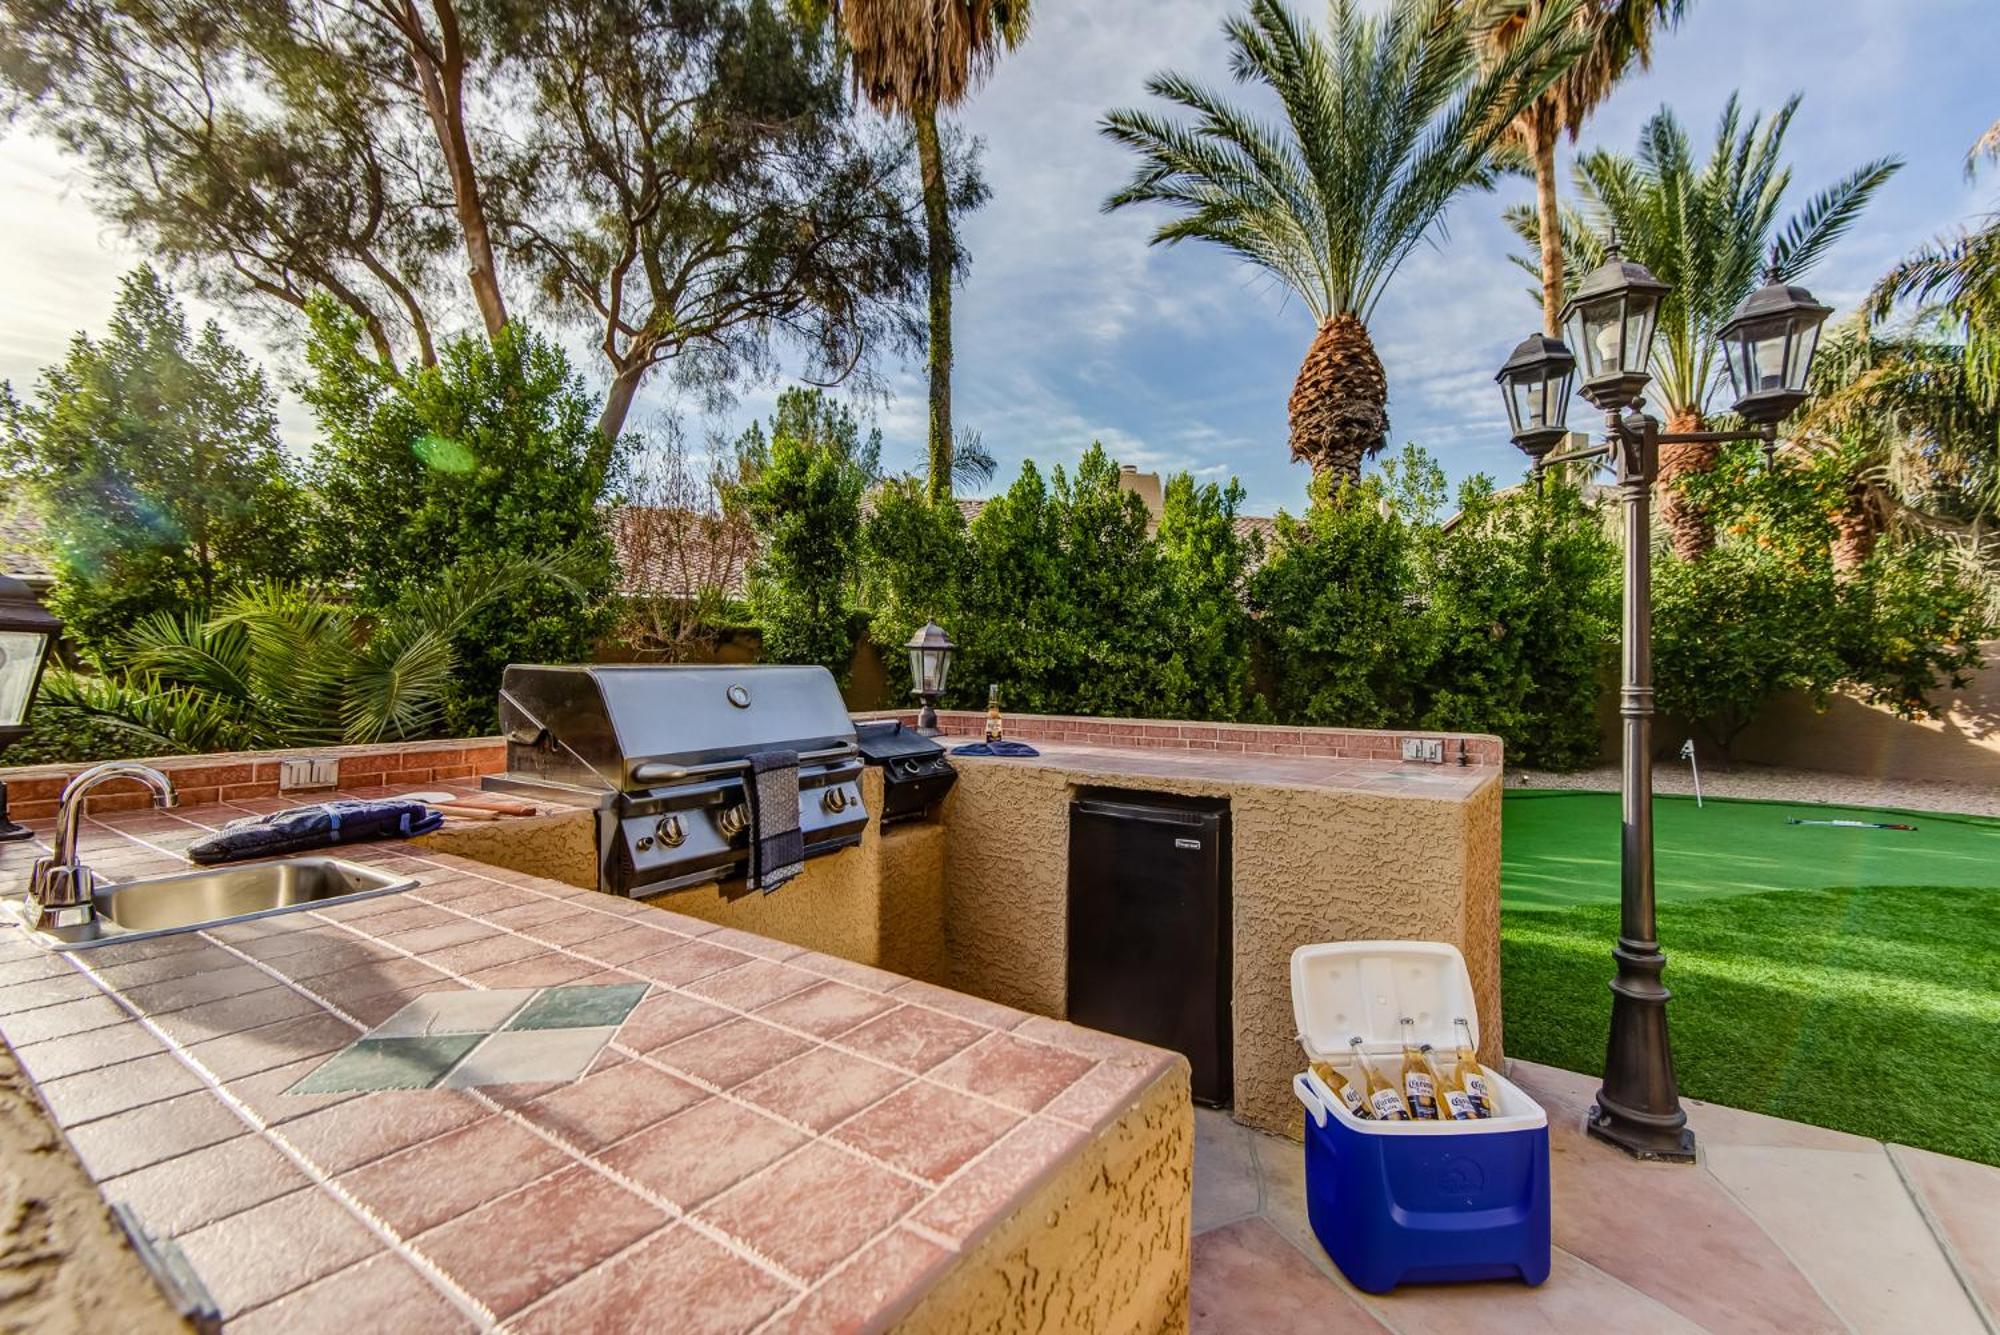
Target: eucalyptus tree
683,179
1713,230
1385,118
1618,34
912,58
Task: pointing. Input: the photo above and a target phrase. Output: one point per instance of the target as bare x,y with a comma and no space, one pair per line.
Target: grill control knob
672,833
834,799
733,820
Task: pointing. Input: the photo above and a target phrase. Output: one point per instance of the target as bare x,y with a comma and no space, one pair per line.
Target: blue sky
1071,328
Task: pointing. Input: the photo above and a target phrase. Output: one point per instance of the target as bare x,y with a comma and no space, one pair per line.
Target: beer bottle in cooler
1470,1075
1419,1081
1343,1088
1384,1103
1453,1103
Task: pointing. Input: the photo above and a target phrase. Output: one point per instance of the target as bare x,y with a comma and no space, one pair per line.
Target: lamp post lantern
27,633
930,664
1769,342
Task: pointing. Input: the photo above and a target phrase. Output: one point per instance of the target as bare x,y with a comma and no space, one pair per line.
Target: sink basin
189,900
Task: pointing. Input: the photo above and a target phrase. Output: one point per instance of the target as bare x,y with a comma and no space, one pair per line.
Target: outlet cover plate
308,772
1429,750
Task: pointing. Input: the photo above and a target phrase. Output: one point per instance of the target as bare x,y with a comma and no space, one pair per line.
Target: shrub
1204,562
152,459
1339,613
915,557
460,469
803,496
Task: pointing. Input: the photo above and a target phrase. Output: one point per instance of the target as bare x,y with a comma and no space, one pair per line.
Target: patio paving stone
1247,1277
1963,1202
1890,1276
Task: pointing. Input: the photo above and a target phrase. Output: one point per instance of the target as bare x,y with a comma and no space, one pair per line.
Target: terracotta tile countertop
772,1139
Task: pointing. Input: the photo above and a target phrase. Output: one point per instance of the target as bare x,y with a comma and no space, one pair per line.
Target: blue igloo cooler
1413,1202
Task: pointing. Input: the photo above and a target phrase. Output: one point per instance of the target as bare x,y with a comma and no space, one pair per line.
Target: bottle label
1480,1092
1422,1094
1459,1104
1387,1106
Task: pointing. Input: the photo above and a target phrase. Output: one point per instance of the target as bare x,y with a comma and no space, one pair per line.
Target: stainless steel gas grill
662,755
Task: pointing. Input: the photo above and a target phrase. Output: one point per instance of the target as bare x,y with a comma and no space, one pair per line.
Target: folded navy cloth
348,821
777,846
995,749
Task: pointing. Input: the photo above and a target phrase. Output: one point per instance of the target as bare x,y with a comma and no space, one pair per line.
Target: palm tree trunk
1856,526
1687,526
937,223
1542,144
1339,405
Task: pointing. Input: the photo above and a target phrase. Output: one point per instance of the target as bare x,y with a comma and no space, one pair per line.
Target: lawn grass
1868,1007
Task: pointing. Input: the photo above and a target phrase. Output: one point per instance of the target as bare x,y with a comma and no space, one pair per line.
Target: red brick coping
32,790
1246,738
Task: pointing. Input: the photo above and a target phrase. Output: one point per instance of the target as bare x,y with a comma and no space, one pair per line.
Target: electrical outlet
1429,750
308,772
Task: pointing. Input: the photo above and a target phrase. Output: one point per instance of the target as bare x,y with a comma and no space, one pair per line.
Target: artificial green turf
1847,998
1561,848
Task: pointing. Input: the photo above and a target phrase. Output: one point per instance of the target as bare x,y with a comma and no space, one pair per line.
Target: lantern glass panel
1805,343
20,660
1598,331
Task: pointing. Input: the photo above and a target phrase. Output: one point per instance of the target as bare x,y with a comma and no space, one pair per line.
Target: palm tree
1386,119
1713,231
1958,277
912,57
1617,34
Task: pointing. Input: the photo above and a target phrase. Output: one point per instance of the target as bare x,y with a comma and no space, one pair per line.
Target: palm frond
163,714
1826,216
1387,117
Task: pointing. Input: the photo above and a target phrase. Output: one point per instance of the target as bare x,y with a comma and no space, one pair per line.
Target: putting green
1560,848
1843,977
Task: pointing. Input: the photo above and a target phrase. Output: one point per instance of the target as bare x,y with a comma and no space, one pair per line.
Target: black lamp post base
10,833
1642,1135
927,718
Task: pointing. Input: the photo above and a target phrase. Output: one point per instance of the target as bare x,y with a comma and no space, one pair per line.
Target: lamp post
930,664
27,633
1768,344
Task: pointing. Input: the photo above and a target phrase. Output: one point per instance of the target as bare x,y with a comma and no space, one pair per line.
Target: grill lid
887,739
597,724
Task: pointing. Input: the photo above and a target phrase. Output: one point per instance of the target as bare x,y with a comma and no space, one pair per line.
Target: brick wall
32,790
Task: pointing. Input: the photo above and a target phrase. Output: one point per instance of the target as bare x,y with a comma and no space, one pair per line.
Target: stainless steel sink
195,899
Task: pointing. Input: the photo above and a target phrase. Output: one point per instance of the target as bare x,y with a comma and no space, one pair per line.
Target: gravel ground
1784,785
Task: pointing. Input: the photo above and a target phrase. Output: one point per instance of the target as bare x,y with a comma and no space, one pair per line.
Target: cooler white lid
1344,988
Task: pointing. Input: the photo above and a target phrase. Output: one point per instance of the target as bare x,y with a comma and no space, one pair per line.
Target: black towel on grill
777,848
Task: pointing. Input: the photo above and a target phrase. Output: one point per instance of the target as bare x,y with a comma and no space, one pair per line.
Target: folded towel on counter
777,847
995,749
348,821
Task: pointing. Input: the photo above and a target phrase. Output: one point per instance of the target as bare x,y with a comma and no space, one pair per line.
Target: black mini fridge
1149,953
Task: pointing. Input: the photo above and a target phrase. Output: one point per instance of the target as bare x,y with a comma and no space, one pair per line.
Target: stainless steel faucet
61,890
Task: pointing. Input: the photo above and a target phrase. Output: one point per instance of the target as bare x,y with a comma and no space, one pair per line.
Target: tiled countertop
771,1139
1232,768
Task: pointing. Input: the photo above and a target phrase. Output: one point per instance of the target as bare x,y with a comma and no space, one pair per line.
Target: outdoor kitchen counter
1323,848
764,1138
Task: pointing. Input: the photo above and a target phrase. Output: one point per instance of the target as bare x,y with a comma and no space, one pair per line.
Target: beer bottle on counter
1470,1075
1453,1103
993,712
1342,1087
1419,1083
1384,1103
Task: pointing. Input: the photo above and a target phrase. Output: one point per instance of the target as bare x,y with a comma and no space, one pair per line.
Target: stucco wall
1101,1247
561,846
1308,864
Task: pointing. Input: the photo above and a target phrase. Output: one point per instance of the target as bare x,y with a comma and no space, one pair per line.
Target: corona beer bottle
1384,1103
1470,1075
1419,1083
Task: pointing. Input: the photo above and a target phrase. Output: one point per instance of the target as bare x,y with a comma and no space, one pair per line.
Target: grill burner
662,755
915,772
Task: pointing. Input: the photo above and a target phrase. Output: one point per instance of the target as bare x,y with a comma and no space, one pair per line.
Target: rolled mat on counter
777,846
321,825
995,749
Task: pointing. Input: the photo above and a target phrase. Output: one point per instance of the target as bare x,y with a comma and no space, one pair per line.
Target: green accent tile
579,1007
388,1063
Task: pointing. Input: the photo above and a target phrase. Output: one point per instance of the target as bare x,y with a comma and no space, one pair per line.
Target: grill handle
663,772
